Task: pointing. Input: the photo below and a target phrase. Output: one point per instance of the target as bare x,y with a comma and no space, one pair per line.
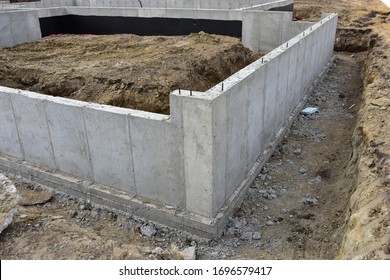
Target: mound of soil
129,71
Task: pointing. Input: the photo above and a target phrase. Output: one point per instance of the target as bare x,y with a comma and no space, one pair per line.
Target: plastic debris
309,111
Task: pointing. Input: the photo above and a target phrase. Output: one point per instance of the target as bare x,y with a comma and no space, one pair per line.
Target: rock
316,180
23,216
238,223
231,231
9,200
302,170
247,235
310,200
148,230
82,207
157,250
381,102
269,223
189,253
256,235
72,213
219,216
57,217
33,196
297,152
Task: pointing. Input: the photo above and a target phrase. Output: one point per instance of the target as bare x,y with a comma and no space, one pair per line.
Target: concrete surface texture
181,4
198,161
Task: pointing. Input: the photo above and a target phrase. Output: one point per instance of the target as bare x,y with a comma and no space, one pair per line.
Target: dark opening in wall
288,8
104,25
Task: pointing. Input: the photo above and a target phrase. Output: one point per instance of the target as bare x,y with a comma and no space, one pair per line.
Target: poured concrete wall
198,160
18,27
260,30
180,4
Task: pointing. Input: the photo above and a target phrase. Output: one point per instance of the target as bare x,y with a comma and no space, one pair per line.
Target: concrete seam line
92,174
128,127
16,126
181,127
49,132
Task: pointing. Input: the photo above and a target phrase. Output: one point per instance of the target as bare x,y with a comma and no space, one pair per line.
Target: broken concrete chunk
189,253
148,230
256,235
247,235
9,200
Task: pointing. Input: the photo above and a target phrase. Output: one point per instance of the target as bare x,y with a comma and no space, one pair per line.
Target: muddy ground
323,195
137,72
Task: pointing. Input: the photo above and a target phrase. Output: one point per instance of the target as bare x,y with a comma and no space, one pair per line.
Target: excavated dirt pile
129,71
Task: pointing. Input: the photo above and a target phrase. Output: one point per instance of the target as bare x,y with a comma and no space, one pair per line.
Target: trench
316,198
297,207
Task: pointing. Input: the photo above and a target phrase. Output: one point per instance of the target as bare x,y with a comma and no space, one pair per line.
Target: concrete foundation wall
18,27
199,160
260,30
180,4
233,127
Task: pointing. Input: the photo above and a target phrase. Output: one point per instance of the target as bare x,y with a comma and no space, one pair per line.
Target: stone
269,223
238,223
310,200
189,253
9,200
302,170
381,102
57,217
148,230
72,213
256,235
157,250
23,216
247,235
31,197
316,180
297,151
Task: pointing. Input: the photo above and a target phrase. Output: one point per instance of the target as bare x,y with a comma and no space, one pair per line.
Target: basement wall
172,4
259,30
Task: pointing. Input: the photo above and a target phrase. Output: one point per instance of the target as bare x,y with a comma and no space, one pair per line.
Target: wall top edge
233,80
84,104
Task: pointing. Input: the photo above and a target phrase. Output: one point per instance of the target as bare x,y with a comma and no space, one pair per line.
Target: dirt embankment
130,71
364,26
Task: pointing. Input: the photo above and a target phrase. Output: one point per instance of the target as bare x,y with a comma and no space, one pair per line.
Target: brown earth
323,195
129,71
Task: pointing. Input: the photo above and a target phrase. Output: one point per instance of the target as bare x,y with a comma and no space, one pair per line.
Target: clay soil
324,194
123,70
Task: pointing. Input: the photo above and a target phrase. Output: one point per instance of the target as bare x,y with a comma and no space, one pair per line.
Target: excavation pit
188,169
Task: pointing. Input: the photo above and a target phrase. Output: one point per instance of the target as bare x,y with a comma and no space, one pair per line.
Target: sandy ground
137,72
323,195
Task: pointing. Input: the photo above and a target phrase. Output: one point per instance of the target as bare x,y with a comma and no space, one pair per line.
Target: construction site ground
324,194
